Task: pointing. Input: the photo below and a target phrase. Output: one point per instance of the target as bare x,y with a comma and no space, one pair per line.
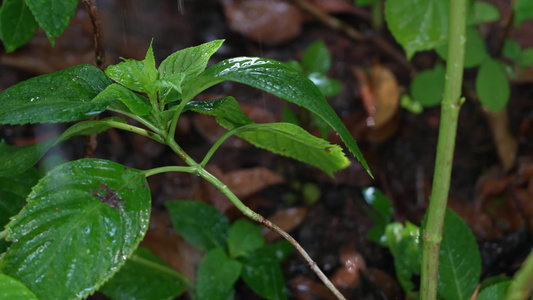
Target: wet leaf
460,261
404,245
418,24
136,103
199,223
82,221
159,281
492,86
13,193
17,24
62,96
352,263
381,213
428,86
53,15
244,236
274,77
190,61
127,73
12,289
216,276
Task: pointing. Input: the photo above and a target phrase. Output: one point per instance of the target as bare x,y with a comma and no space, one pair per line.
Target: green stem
162,268
134,129
521,288
450,106
175,118
141,120
166,169
3,234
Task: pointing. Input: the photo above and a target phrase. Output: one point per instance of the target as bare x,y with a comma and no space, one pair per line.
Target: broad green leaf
12,289
526,57
328,87
14,190
316,58
492,87
418,24
279,79
244,236
136,103
281,138
17,24
190,61
262,273
511,50
14,160
53,15
216,275
460,261
158,280
63,96
493,280
403,243
475,52
127,73
482,12
81,223
523,10
428,86
495,291
199,223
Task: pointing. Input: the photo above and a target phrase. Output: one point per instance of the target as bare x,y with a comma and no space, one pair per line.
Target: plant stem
134,129
159,170
521,287
164,269
451,103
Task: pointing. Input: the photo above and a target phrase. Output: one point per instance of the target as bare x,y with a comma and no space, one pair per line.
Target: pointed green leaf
82,221
17,24
482,12
460,261
428,86
279,79
418,24
316,58
14,160
199,223
149,70
53,15
159,281
127,73
216,275
262,273
12,289
327,86
62,96
492,86
244,236
136,103
190,61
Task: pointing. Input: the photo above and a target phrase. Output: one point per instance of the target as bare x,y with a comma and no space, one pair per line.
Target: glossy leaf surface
53,15
62,96
492,86
199,223
127,73
404,246
190,61
12,289
144,277
216,275
136,103
381,213
418,24
460,261
17,24
244,236
279,79
82,221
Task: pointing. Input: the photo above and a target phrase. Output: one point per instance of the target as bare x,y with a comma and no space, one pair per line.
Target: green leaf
216,275
316,58
149,71
365,2
495,291
13,192
159,281
63,96
418,24
328,87
127,73
380,203
428,86
511,50
15,160
17,24
475,52
523,10
492,86
460,261
410,105
262,273
12,289
281,138
244,236
403,243
53,15
199,223
82,221
136,103
526,57
279,79
482,12
190,61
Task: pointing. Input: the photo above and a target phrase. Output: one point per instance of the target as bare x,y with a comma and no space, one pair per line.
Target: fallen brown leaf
287,220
